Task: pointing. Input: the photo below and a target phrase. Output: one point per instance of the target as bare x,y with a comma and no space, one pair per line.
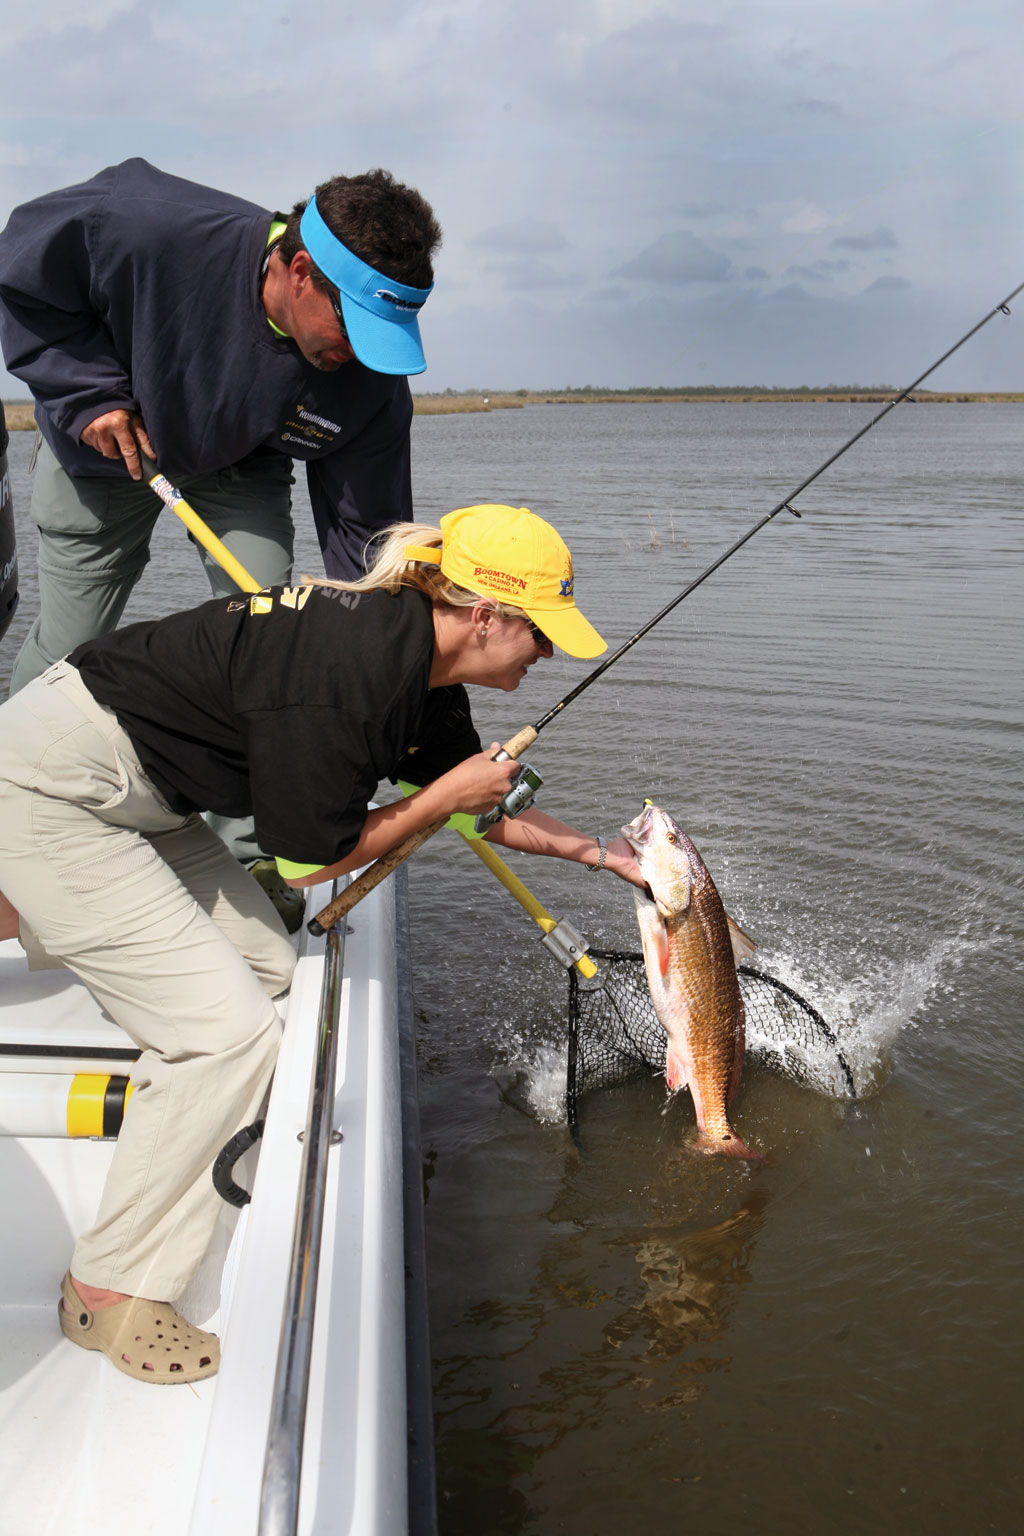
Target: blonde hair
389,570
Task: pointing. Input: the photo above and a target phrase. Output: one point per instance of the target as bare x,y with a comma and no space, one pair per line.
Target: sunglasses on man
336,306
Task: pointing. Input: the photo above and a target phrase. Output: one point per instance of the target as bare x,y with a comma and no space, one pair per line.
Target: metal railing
282,1467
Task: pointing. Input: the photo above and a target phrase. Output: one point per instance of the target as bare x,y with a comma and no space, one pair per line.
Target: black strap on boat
227,1157
115,1096
32,1049
282,1467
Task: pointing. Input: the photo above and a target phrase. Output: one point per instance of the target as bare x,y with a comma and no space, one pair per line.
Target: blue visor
381,315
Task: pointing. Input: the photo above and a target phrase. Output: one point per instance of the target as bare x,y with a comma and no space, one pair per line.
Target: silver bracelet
599,862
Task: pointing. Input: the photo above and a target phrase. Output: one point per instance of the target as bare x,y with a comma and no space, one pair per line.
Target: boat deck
87,1449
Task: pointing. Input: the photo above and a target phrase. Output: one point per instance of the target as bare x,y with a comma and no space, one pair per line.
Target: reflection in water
624,1299
691,1282
836,717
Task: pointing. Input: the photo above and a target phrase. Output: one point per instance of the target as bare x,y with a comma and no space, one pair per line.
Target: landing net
614,1033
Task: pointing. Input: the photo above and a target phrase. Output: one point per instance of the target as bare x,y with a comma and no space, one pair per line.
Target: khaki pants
94,545
172,937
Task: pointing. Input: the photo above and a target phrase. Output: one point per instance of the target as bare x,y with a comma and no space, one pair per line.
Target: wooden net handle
382,867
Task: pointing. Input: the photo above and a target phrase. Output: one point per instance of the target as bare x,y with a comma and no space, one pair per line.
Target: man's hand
119,435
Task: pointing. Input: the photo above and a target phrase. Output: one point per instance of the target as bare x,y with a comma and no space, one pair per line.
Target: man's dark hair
387,225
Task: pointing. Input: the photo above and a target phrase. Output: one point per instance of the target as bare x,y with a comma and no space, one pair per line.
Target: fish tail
727,1145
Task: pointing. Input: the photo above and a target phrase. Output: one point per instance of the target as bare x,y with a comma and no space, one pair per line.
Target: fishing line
785,505
528,781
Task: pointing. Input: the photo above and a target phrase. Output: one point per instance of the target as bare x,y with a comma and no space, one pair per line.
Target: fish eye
671,837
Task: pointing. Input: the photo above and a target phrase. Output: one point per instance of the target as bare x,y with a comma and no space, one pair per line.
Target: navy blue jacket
141,291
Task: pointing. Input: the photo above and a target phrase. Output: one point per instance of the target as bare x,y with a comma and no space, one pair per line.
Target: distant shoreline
20,417
445,404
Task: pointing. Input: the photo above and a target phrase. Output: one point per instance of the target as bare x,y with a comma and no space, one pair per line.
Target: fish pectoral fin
654,936
743,945
660,946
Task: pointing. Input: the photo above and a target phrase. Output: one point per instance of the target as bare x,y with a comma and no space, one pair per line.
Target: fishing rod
785,505
528,781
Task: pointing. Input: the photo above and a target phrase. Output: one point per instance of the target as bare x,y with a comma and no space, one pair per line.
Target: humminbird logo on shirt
502,580
308,429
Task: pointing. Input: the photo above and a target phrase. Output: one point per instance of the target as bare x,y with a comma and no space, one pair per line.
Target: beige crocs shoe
149,1340
289,903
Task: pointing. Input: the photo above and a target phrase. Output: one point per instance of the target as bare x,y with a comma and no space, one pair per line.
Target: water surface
624,1333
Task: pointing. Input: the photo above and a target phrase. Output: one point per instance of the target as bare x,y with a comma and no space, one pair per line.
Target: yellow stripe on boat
96,1104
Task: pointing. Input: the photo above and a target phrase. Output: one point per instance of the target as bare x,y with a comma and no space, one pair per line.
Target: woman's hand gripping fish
691,950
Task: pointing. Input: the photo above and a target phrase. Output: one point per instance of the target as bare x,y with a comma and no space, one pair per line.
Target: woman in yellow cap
107,762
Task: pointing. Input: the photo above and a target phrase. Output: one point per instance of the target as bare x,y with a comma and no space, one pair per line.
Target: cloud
524,237
810,220
888,284
694,152
680,257
703,210
818,271
56,17
880,239
815,107
527,276
641,72
810,273
721,335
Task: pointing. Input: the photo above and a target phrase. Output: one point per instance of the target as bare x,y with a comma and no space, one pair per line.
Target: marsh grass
19,415
487,400
21,418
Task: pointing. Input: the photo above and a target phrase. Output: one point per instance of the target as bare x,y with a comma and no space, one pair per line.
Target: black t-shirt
290,705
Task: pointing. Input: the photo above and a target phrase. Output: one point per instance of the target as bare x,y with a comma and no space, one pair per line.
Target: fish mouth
633,835
638,832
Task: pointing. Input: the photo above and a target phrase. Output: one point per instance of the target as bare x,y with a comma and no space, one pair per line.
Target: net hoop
614,1032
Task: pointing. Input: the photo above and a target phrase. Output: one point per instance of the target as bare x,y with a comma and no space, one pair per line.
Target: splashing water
866,1015
869,1014
533,1080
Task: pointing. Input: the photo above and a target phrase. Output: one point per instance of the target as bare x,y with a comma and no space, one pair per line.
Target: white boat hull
86,1449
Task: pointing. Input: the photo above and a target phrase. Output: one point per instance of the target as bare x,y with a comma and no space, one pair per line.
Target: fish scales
690,952
702,975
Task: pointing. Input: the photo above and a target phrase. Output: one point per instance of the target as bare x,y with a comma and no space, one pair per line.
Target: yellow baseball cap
515,557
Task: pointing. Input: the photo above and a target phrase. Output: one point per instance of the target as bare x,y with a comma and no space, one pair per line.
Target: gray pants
172,937
94,545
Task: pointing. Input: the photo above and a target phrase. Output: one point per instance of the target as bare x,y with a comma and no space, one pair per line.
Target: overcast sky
632,191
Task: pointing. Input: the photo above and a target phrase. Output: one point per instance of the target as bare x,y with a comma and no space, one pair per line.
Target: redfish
691,950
